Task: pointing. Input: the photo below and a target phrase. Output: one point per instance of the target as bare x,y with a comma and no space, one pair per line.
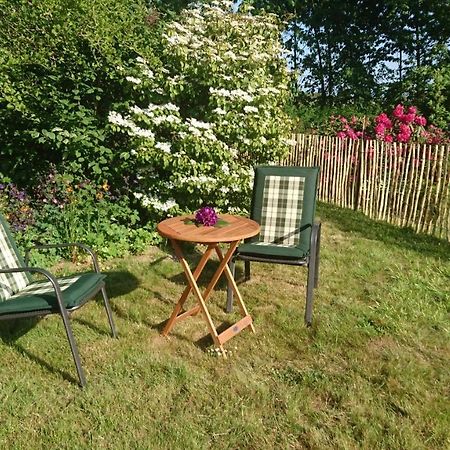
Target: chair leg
313,271
310,293
73,348
316,268
109,313
247,270
232,265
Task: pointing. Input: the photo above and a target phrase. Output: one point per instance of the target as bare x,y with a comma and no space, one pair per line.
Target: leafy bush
15,205
215,108
58,78
62,210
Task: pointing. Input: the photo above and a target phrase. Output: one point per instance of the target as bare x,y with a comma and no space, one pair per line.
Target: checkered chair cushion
281,210
46,287
283,203
10,283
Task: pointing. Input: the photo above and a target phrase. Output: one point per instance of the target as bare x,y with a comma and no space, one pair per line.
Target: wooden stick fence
404,184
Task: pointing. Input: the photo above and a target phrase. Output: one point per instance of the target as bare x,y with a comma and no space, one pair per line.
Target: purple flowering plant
16,206
207,217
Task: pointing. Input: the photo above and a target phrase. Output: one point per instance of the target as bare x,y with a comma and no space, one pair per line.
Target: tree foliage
58,78
364,52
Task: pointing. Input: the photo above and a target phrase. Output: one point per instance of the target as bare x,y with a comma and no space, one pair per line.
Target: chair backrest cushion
283,203
281,213
10,283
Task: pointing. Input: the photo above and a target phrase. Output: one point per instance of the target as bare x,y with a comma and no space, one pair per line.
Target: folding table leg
191,279
232,282
198,270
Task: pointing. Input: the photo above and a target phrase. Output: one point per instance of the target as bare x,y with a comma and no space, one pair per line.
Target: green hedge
58,79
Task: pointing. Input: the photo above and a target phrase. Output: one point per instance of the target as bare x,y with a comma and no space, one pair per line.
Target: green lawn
371,373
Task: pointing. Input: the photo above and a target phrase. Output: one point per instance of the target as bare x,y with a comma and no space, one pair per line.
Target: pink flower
341,134
398,111
206,216
384,120
420,120
408,118
412,110
351,134
342,119
388,138
404,129
380,129
402,137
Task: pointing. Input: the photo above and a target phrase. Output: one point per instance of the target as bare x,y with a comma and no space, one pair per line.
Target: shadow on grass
355,222
205,277
117,284
193,254
120,283
202,343
13,329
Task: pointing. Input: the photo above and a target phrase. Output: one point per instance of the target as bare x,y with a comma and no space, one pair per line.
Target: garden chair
283,203
21,296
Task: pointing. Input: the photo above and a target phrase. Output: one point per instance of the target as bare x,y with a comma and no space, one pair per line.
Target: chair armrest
46,274
69,244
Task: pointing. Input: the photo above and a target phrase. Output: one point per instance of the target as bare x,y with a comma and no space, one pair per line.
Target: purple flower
206,216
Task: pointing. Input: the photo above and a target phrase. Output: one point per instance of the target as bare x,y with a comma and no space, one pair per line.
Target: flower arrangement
206,216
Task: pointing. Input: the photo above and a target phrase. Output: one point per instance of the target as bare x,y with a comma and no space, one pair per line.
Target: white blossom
137,110
141,132
134,80
164,146
219,111
148,73
172,119
199,124
250,109
200,179
117,119
171,107
157,203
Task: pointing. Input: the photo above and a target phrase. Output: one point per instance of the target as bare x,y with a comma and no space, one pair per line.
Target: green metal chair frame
284,203
22,297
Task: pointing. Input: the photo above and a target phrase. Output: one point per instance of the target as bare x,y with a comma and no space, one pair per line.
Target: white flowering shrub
211,113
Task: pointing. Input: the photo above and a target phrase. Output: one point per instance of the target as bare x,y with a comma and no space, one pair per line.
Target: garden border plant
215,108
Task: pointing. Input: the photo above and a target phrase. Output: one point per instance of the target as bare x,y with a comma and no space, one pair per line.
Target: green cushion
272,250
40,295
283,203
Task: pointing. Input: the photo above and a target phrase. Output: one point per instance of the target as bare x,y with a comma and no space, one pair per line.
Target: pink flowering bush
404,124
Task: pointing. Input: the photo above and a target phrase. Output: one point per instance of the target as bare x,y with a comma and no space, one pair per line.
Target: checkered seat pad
10,283
46,287
281,211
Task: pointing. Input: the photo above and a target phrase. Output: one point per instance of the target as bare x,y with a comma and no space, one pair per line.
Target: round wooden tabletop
235,229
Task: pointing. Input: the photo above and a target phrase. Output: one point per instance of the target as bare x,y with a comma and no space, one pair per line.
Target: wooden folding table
233,230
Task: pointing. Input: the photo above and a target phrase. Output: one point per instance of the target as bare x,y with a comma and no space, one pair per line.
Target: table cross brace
192,277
